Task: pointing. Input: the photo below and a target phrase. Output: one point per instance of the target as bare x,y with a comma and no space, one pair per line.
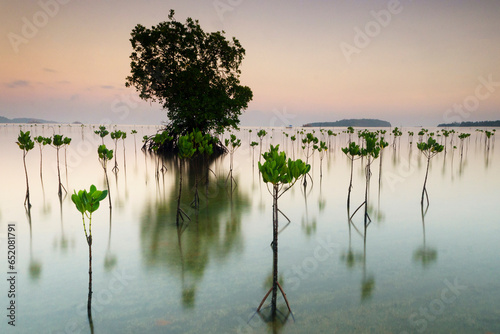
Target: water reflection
424,254
186,249
35,266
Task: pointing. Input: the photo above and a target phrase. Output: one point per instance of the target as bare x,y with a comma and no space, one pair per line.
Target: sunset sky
407,62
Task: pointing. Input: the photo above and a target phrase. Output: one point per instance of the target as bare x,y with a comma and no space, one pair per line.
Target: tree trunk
27,198
59,192
368,172
350,187
89,299
425,180
275,251
180,192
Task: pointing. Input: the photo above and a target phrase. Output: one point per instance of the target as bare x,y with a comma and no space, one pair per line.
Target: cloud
49,70
18,83
107,87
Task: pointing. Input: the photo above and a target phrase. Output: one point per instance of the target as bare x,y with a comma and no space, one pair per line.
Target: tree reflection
424,254
35,267
186,249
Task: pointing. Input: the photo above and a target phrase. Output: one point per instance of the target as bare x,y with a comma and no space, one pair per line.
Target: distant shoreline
471,124
363,122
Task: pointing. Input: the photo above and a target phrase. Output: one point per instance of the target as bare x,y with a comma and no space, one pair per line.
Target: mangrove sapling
261,134
282,175
156,143
186,151
310,143
462,138
383,144
116,135
87,203
429,149
42,141
397,134
232,144
487,138
322,148
293,139
66,142
123,137
446,134
102,132
252,145
350,131
104,156
352,152
134,132
410,138
58,141
25,144
371,152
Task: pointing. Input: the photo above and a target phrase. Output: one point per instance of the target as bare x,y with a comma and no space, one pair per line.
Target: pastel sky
407,62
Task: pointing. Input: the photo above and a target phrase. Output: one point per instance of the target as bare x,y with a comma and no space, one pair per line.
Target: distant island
25,120
364,122
471,124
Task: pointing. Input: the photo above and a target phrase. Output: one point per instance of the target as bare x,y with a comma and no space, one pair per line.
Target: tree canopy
193,74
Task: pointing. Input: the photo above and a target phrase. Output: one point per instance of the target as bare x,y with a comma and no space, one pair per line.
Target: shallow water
437,273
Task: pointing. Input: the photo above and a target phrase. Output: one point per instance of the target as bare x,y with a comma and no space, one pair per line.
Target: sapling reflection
232,144
282,175
186,151
25,144
429,148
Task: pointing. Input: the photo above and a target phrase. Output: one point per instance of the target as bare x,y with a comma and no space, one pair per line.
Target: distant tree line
471,124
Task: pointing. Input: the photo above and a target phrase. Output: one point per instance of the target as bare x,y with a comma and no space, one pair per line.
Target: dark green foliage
24,141
262,133
88,202
233,143
352,150
104,153
186,147
102,132
43,140
277,170
26,144
430,148
193,74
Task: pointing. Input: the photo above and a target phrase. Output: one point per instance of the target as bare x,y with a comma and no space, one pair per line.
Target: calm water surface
406,273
